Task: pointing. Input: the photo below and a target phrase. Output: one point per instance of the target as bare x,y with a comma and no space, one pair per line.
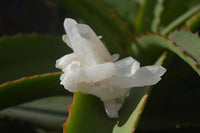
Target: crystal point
91,69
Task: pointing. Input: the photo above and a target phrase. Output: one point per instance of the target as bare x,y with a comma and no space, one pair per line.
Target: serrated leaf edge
174,43
31,77
69,110
164,55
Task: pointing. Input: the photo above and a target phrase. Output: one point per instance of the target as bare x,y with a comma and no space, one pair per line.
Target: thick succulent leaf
193,24
187,41
127,9
175,8
87,114
88,110
105,22
30,88
47,113
149,15
153,43
157,14
180,20
130,113
169,104
27,55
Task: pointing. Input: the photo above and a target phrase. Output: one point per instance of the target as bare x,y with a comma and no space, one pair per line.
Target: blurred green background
173,105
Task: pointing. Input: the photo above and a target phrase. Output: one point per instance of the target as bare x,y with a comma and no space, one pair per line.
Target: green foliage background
152,31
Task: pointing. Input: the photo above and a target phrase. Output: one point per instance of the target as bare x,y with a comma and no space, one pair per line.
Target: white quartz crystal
92,70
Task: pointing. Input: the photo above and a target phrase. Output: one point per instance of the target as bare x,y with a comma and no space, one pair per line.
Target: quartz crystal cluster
91,69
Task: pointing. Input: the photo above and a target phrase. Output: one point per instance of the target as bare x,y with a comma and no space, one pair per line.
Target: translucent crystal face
91,69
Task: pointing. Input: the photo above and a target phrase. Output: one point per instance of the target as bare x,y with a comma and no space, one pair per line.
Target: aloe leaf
130,113
193,24
174,9
132,110
155,44
157,13
46,113
127,9
187,41
149,15
105,22
167,106
89,108
30,88
27,55
180,20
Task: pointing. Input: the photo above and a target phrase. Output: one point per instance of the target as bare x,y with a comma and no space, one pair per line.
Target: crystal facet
91,69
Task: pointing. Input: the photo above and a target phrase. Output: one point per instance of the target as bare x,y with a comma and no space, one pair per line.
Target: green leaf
100,17
187,41
154,44
131,111
175,8
47,113
157,13
89,108
27,55
149,15
180,20
193,24
145,53
167,106
30,88
127,9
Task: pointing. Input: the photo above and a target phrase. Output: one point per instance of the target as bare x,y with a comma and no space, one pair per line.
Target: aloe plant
162,32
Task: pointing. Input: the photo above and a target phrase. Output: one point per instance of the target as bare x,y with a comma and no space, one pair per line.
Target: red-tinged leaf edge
121,124
158,62
141,109
166,43
86,108
143,93
30,88
69,112
188,43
